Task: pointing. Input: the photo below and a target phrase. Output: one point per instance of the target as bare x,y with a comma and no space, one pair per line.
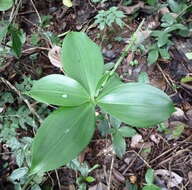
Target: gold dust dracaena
68,130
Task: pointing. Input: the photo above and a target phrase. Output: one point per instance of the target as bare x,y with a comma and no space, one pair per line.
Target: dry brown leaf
55,56
133,179
132,9
141,36
155,138
170,178
164,10
136,140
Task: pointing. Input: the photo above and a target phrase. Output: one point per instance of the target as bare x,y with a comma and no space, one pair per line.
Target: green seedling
149,178
68,130
162,38
84,171
106,18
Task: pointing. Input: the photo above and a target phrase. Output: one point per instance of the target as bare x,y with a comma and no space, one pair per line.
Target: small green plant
106,18
68,130
162,38
118,133
149,178
134,62
84,171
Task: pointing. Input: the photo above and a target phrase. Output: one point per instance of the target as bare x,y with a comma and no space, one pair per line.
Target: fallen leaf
170,178
155,138
136,140
141,36
133,179
164,10
68,3
54,56
132,9
178,115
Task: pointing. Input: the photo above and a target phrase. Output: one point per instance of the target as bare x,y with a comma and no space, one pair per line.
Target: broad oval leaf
62,136
5,4
153,56
119,144
82,60
59,90
137,104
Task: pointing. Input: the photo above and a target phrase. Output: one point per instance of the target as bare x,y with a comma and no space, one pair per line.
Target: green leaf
18,173
186,79
164,53
4,29
163,39
111,83
189,55
127,131
175,6
143,77
18,39
173,27
59,90
168,19
90,179
153,56
82,60
35,187
119,144
62,136
149,176
151,187
137,104
115,123
5,4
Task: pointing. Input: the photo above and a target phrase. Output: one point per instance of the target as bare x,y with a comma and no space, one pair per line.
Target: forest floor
167,148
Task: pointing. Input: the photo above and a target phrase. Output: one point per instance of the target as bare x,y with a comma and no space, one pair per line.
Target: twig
38,15
110,173
20,95
58,181
14,11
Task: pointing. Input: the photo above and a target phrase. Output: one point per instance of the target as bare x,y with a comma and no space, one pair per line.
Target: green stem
27,183
124,53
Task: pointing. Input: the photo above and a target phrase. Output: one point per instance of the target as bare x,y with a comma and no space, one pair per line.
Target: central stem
124,53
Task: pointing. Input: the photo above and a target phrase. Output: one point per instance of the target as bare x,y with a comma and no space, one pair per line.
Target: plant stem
124,53
27,183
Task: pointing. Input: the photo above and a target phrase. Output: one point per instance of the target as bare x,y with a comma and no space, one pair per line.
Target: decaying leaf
141,36
155,138
132,9
136,140
170,178
54,56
